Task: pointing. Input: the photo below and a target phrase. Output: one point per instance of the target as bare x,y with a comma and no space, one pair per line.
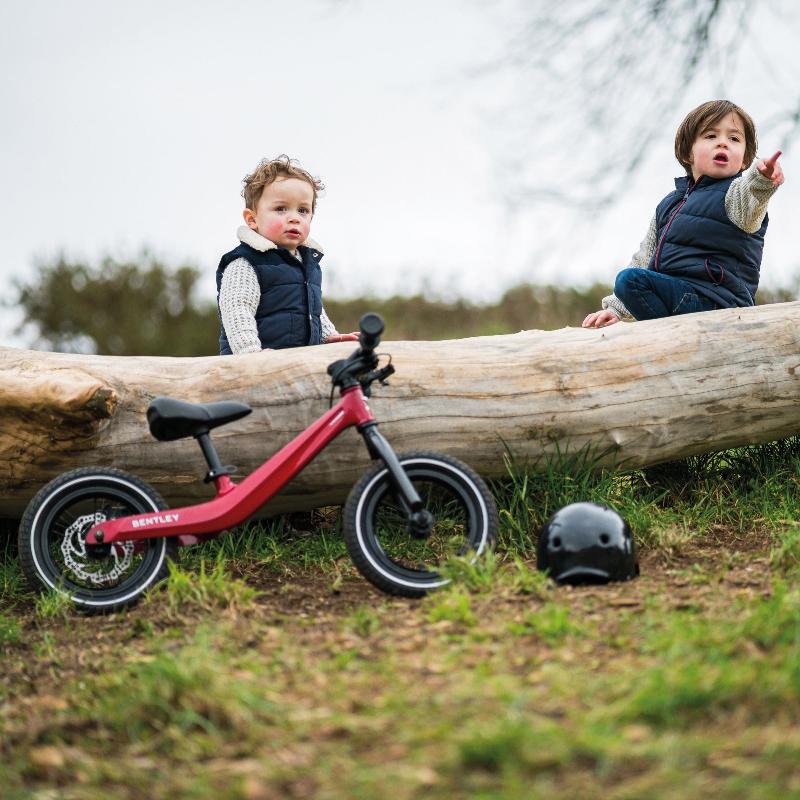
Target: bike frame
234,503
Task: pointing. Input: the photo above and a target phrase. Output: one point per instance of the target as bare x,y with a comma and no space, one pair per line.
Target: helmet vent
604,538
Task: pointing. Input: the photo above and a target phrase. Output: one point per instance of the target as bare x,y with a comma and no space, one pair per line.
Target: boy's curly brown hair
703,117
269,170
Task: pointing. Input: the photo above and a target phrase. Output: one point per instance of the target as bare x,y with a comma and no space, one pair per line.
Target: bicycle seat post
215,468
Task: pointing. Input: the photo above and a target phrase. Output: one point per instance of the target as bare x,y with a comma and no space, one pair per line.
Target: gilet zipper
689,190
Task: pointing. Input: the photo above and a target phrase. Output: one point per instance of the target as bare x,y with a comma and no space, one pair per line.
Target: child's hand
600,319
342,337
770,168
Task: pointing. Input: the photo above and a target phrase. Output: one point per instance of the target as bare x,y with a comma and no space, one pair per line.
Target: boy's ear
250,219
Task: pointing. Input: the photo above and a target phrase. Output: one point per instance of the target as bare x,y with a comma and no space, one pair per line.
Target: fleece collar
258,242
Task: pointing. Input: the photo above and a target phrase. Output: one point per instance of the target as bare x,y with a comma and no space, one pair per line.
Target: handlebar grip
371,326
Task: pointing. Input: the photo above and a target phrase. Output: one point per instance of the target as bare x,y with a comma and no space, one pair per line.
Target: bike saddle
171,419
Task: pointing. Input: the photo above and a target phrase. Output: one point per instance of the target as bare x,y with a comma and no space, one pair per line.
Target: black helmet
587,543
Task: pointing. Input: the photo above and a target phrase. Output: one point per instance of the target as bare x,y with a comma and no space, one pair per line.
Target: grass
453,605
363,621
476,575
53,605
10,631
683,683
552,624
713,668
665,505
785,555
205,588
462,717
276,545
524,579
162,698
12,581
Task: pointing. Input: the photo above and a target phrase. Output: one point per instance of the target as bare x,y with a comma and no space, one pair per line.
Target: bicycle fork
420,520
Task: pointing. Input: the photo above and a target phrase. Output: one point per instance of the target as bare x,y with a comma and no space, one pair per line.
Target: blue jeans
648,294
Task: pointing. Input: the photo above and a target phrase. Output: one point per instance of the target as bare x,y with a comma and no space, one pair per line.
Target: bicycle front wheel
381,542
52,540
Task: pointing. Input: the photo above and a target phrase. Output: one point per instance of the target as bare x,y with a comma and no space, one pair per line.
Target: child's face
718,151
283,212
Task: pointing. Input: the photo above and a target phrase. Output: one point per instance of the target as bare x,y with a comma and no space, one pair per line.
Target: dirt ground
507,706
701,577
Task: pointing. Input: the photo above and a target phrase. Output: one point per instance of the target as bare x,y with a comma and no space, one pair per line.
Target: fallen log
634,394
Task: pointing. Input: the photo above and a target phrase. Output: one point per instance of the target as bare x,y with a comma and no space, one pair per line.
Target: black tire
51,536
376,532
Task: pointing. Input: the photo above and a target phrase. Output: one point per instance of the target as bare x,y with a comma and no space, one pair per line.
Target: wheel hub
420,525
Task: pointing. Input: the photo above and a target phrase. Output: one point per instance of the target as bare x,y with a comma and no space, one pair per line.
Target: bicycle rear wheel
382,544
53,551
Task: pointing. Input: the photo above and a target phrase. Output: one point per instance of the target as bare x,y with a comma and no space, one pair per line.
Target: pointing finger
771,162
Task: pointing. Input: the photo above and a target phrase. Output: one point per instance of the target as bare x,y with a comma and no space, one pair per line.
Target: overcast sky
131,125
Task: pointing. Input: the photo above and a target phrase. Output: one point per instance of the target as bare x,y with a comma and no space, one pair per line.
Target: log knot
102,403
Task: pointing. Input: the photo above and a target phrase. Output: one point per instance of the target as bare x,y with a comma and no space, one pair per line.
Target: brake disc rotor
77,560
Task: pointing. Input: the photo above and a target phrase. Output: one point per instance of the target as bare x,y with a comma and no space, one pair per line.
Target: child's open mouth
721,158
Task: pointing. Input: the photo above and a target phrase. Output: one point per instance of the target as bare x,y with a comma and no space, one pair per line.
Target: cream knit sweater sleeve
239,294
747,197
641,258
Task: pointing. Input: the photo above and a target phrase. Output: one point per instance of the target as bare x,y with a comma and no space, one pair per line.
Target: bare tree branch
596,82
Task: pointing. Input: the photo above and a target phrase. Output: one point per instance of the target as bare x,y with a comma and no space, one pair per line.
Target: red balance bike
104,537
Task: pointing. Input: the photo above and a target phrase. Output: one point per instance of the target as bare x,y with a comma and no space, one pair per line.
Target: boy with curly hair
269,288
704,244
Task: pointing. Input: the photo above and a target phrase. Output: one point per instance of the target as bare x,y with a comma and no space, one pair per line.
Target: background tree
123,308
117,308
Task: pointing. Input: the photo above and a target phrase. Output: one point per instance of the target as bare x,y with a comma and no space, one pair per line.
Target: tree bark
630,395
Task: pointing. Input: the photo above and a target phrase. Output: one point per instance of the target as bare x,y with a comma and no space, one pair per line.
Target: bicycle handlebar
359,367
371,326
